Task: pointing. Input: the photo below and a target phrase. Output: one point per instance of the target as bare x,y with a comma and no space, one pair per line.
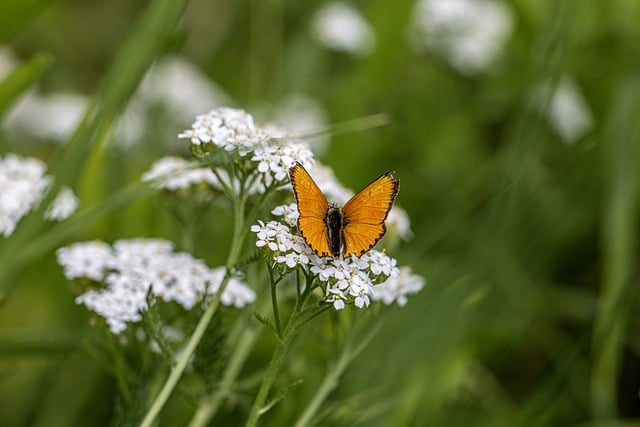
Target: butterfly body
334,220
352,230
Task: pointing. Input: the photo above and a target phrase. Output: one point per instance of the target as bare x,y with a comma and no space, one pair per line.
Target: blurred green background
526,233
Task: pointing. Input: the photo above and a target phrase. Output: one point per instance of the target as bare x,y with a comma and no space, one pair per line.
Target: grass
528,243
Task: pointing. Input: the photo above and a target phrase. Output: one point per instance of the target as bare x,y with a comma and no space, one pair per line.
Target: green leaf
21,78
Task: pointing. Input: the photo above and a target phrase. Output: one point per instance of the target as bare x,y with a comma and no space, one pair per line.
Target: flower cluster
24,183
397,288
235,132
351,280
132,268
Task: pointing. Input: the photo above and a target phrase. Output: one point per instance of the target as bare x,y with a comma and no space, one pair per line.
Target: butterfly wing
312,207
365,213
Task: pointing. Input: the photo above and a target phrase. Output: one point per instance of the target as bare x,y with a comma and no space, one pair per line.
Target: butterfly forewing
312,207
365,213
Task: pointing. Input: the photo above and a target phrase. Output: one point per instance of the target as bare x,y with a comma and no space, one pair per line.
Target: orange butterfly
352,230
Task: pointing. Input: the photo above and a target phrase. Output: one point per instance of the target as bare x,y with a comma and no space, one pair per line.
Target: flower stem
209,405
178,369
270,376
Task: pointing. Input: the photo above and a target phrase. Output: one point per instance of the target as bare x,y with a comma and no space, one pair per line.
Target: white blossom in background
131,268
63,206
130,127
23,183
340,27
568,112
52,117
469,34
396,289
182,88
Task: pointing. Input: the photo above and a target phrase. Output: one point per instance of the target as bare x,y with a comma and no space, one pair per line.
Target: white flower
131,268
345,281
398,223
289,213
342,28
86,259
470,34
22,185
396,288
275,160
568,111
50,117
63,206
228,128
173,173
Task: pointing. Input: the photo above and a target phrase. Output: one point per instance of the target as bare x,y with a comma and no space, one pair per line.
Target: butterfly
352,230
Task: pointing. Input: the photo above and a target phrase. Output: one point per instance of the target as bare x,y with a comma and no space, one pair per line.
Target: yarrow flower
568,112
396,289
23,184
270,152
132,268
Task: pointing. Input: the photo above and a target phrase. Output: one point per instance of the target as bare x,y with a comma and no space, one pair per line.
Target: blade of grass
619,228
21,78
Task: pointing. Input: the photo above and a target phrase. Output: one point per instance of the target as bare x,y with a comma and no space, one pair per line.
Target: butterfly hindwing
365,214
312,207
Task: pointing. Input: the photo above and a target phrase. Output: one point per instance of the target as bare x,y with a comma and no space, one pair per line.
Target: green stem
178,369
274,302
209,405
333,375
270,376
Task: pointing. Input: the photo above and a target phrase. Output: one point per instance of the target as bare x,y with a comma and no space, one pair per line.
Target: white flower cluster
234,131
396,288
351,280
23,184
470,34
340,27
131,268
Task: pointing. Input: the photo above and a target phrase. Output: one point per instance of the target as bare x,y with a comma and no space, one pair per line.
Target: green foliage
529,243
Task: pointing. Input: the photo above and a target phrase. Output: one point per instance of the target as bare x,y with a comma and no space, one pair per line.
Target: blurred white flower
131,268
398,223
51,117
8,61
470,34
340,27
63,206
396,289
181,87
568,112
22,185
